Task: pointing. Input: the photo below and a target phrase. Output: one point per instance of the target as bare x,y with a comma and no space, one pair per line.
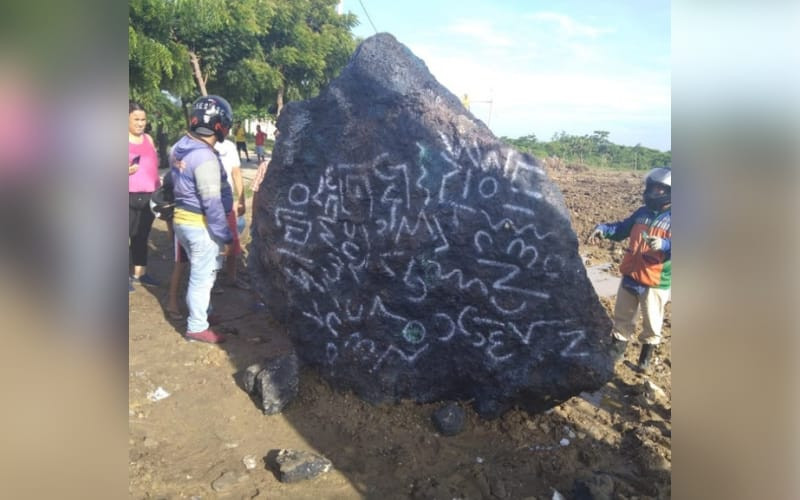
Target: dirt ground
614,443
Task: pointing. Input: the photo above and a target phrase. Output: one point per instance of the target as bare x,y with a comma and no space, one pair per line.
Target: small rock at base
249,377
225,481
294,465
596,486
449,419
250,462
277,383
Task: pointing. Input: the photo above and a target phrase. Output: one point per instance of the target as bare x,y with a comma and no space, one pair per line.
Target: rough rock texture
295,465
449,420
249,377
274,381
411,254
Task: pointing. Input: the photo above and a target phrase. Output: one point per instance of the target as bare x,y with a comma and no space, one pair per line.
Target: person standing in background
241,141
260,138
142,182
229,156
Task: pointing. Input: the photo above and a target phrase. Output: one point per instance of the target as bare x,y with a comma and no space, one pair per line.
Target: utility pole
490,102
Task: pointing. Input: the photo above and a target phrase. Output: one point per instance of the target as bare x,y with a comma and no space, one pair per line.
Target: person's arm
262,170
208,181
614,231
133,164
618,231
155,152
238,188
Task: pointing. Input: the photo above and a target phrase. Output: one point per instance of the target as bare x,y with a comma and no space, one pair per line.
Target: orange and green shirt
651,268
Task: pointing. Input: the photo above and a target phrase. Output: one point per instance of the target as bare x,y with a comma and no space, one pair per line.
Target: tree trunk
162,145
198,75
186,114
279,102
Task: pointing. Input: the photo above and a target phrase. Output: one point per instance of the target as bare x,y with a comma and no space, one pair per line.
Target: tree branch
198,75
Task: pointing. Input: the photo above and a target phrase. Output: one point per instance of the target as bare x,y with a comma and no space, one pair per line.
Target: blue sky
575,66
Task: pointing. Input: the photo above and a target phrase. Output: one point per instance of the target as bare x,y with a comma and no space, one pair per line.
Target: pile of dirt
196,441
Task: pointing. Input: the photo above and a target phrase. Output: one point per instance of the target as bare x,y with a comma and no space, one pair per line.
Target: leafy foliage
156,61
594,150
256,53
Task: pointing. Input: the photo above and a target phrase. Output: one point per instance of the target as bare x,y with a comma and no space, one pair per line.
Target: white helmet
660,175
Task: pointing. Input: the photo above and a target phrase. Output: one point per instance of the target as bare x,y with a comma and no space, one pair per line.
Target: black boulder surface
411,254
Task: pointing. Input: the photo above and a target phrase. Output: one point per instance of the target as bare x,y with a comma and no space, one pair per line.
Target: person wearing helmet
201,194
646,266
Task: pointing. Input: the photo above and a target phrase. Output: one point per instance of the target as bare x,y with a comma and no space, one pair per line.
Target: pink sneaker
208,336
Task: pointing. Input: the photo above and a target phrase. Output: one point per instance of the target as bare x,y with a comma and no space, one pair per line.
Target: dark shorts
241,146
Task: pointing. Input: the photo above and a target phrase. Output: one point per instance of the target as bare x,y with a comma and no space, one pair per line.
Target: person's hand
240,209
596,234
132,168
226,250
654,242
262,169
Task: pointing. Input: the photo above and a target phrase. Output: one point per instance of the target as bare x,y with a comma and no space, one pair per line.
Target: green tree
156,61
222,41
600,143
157,69
637,154
578,147
593,150
308,44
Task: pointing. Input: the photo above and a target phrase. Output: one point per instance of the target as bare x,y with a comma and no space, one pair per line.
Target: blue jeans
205,260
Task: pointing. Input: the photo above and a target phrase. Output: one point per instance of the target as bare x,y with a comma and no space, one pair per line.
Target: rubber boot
644,357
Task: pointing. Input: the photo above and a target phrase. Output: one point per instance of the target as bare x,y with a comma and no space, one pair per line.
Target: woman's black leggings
140,220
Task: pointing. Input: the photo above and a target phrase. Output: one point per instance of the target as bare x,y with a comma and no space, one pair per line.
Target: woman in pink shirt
142,181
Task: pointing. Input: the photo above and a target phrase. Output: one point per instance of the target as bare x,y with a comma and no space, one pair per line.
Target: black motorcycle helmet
211,115
658,188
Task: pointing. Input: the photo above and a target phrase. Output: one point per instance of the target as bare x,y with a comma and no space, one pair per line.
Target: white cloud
546,100
569,26
584,53
630,91
482,31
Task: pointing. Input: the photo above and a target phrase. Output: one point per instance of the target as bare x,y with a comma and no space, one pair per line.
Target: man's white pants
626,312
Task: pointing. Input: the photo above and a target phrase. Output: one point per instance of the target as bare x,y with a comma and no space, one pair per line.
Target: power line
368,18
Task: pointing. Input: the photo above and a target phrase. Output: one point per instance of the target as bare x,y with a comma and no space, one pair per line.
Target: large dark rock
411,254
274,381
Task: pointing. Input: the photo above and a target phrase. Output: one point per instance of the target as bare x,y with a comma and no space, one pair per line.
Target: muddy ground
192,443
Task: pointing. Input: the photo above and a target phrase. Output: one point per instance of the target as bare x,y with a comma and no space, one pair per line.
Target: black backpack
162,201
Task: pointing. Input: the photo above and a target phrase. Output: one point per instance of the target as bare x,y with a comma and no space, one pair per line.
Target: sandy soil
192,443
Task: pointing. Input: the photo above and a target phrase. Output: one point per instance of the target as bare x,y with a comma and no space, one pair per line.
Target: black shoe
644,357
